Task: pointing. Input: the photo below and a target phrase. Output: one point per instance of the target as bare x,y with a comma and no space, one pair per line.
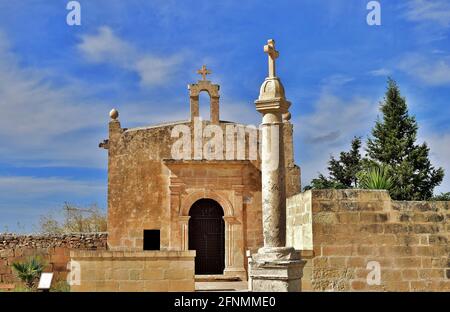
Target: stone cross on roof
273,54
203,71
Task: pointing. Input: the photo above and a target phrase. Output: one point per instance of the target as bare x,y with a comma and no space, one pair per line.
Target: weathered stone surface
53,249
276,275
275,267
135,271
409,240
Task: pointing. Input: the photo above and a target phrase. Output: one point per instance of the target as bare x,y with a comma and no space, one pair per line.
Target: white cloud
106,47
384,72
334,82
433,71
42,124
26,187
39,121
436,11
329,129
440,156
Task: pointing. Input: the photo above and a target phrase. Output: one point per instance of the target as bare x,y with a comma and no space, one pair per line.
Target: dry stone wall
54,250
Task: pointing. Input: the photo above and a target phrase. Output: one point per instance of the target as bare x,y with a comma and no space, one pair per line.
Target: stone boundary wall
350,228
134,271
54,250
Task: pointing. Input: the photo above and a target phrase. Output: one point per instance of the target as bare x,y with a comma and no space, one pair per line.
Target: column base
276,269
236,272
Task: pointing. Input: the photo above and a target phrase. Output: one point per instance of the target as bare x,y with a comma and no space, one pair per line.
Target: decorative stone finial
114,114
272,88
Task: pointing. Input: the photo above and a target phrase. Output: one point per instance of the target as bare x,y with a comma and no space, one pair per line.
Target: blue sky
58,82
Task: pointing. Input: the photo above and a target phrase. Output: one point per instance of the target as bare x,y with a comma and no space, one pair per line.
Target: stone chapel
212,206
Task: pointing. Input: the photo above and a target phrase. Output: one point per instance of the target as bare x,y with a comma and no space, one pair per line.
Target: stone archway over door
207,236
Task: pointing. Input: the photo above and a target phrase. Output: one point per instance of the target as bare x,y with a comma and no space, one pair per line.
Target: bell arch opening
204,103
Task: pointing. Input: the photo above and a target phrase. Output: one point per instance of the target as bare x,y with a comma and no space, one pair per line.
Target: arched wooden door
207,236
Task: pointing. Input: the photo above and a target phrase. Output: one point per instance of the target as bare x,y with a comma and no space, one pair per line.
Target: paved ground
221,286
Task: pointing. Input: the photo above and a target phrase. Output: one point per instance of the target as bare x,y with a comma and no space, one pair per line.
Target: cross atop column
203,71
273,54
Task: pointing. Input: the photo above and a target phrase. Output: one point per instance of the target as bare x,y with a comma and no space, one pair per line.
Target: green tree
322,182
393,143
342,171
442,197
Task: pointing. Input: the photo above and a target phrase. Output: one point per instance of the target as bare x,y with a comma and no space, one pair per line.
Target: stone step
216,278
222,286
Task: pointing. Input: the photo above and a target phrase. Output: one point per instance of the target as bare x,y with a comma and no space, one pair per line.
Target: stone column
273,186
275,267
184,230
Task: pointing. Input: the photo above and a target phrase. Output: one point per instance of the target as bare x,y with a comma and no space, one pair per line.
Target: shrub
375,178
29,271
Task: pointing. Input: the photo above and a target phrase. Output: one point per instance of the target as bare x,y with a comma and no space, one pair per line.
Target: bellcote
211,89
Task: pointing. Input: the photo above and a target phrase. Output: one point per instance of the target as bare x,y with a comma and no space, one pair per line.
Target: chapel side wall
138,194
350,228
52,249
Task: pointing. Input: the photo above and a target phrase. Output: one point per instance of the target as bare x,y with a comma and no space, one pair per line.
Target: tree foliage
394,160
342,171
393,143
74,220
442,197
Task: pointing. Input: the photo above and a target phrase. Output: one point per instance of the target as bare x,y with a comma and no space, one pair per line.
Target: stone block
156,285
337,261
390,275
356,262
367,250
348,217
135,274
345,250
408,262
181,285
120,274
131,286
107,286
396,285
359,285
410,274
276,275
428,274
369,217
153,274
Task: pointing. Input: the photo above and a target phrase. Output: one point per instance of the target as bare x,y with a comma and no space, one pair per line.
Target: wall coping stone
156,254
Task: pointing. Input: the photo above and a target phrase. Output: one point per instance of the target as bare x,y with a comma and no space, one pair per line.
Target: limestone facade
343,233
113,271
148,189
